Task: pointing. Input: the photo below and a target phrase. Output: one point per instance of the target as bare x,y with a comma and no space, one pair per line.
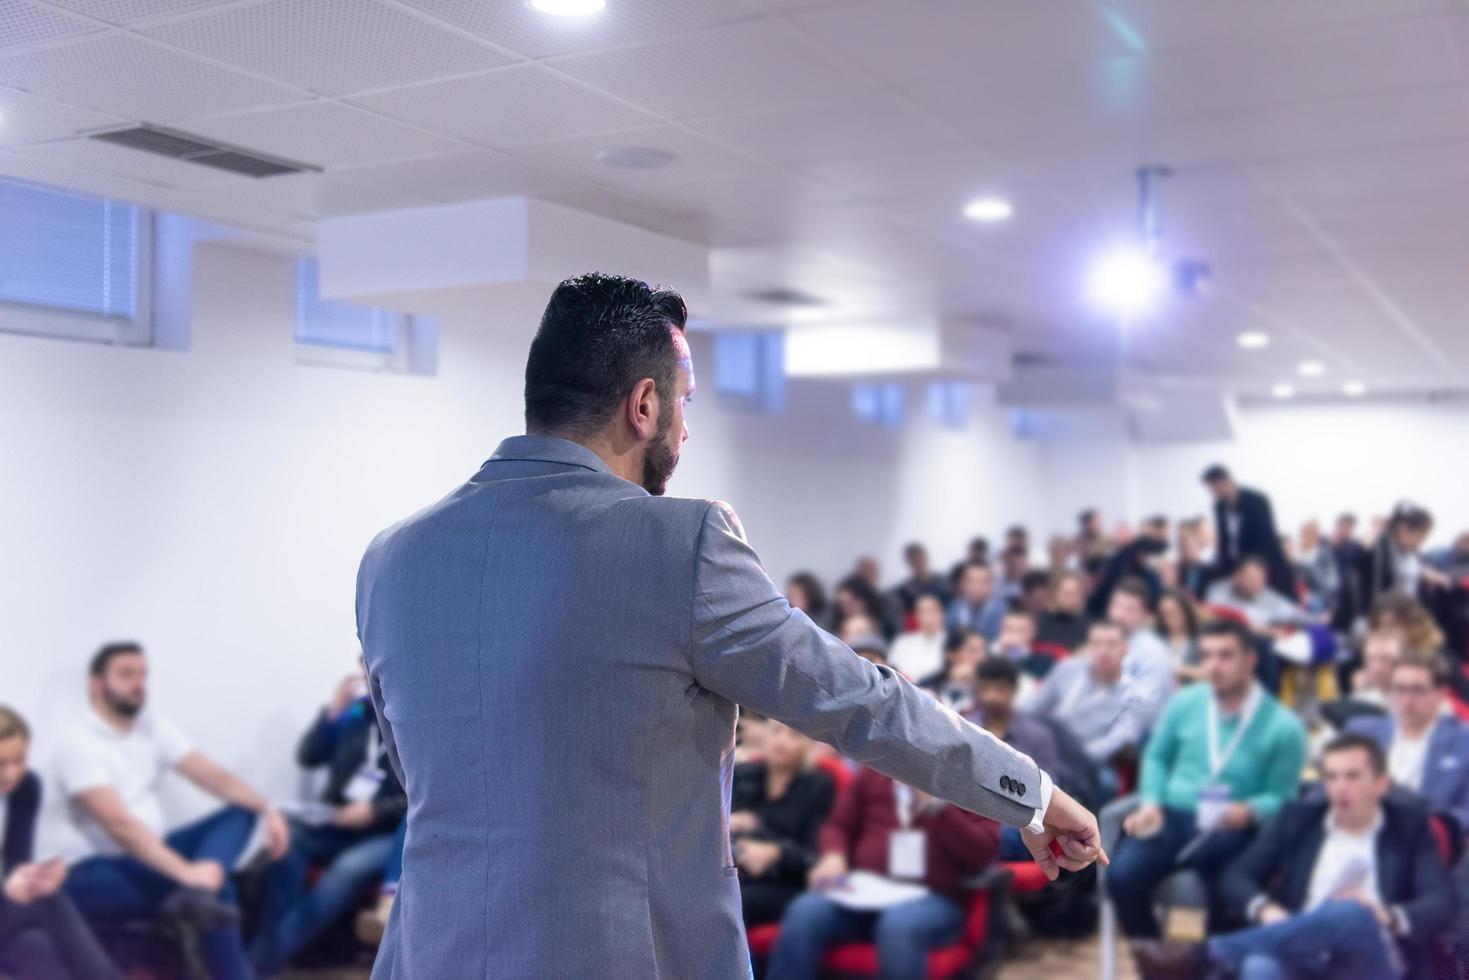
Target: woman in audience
777,806
954,685
1178,625
1315,566
857,597
920,652
1395,611
804,592
1064,624
42,935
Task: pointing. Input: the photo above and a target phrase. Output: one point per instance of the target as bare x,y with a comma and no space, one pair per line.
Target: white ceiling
1320,148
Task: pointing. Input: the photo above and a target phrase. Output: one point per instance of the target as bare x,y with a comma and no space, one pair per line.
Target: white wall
1316,460
214,503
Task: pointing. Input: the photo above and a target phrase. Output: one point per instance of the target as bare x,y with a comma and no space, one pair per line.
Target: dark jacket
341,744
792,821
1066,630
1257,536
1410,873
19,833
959,844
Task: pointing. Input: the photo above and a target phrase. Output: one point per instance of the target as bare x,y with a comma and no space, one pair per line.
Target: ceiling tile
460,176
693,156
28,119
738,68
126,76
325,134
514,105
23,22
514,25
314,195
109,158
865,127
133,11
332,47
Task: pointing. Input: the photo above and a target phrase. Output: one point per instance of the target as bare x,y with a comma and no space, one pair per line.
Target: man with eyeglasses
1427,746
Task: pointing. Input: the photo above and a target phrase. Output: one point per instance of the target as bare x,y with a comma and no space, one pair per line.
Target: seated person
1248,591
996,682
1064,623
921,580
1035,592
777,808
373,922
1178,628
1372,685
978,605
42,934
1224,758
954,685
367,804
750,732
1090,694
890,829
1016,643
921,652
1346,886
1148,663
1427,746
123,863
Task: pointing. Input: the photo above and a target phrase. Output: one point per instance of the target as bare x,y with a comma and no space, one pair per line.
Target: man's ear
641,408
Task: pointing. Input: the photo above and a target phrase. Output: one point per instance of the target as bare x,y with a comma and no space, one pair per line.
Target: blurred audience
1064,622
920,652
1091,694
1148,663
1347,886
1225,757
124,863
804,592
922,580
778,805
977,606
1178,627
954,685
42,935
348,838
1244,524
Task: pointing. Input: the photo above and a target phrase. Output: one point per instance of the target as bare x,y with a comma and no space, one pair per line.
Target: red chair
1053,650
1228,612
1026,877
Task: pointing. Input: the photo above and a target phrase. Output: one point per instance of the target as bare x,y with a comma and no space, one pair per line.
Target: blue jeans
121,888
393,867
290,915
1012,845
1340,940
904,934
1141,863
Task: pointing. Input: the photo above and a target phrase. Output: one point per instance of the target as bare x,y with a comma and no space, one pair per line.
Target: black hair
954,640
1234,628
815,593
599,336
1036,579
1376,757
914,546
1136,588
1215,473
997,670
1410,515
1190,613
870,598
104,656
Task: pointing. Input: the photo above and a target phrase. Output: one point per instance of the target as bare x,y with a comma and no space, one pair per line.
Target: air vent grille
201,150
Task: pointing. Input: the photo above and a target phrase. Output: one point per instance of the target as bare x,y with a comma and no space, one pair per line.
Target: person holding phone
41,932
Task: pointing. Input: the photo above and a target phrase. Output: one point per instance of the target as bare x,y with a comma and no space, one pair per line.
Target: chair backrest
834,768
977,919
1447,837
1053,650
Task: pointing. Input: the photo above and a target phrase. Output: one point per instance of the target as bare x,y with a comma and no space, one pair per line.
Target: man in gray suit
556,651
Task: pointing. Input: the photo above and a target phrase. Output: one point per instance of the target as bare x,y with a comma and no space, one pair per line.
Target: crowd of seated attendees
1280,719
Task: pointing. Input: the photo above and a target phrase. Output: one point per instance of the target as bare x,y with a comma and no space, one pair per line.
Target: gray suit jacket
556,657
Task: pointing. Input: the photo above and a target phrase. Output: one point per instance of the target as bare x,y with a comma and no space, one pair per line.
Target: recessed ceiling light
1126,281
1354,389
568,8
634,157
1283,391
988,209
1312,369
1253,339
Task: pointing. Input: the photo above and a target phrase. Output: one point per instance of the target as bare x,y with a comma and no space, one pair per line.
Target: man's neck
1105,678
621,456
1354,824
1232,700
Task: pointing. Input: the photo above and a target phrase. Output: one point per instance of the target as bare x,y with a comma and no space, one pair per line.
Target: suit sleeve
1244,886
1431,909
748,645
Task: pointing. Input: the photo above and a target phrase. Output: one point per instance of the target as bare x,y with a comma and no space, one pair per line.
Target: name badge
364,786
907,854
1213,801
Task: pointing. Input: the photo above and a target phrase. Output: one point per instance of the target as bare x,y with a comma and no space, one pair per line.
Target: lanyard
904,794
1217,762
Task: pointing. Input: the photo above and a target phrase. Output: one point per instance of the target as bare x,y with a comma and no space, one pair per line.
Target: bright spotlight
568,8
1127,281
988,209
1354,389
1311,369
1283,391
1253,340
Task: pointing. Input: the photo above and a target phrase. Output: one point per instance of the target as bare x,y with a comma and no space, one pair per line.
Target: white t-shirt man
133,763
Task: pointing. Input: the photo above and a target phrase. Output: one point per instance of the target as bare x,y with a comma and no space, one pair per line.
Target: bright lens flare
1127,281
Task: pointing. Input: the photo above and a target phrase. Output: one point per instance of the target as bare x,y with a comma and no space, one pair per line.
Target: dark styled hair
1001,670
815,592
1438,670
1190,613
104,656
1234,628
599,336
1356,740
1136,588
1216,473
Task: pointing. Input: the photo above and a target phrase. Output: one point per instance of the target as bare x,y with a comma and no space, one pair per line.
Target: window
879,404
348,335
948,403
749,370
73,265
